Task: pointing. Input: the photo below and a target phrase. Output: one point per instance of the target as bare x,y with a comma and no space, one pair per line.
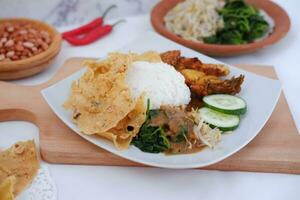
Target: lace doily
42,187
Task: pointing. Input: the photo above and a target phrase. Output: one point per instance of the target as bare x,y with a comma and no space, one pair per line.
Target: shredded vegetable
195,19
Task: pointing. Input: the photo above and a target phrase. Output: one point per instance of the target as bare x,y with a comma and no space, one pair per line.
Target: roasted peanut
22,40
10,54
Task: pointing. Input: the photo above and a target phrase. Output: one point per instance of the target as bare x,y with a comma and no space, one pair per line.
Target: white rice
162,84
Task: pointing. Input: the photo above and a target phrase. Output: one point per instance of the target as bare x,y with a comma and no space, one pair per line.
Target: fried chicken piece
189,63
203,84
175,59
209,69
212,85
215,69
203,79
191,76
171,57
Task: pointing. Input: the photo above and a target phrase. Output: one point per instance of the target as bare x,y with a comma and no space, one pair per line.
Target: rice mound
159,82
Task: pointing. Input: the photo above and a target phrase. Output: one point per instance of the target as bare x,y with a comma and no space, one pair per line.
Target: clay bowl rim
279,16
39,59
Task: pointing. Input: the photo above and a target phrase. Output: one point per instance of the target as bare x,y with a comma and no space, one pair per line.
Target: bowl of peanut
27,47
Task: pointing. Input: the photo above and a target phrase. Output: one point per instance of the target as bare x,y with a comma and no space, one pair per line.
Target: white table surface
99,182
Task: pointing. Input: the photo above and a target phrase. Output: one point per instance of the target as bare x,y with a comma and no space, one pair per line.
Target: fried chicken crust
175,59
208,86
171,57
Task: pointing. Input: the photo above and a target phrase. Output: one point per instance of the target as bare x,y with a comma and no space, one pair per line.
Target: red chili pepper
92,36
89,26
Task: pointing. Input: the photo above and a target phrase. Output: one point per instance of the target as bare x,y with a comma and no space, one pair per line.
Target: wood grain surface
275,149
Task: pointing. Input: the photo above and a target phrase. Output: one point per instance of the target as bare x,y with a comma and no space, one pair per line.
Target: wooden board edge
287,168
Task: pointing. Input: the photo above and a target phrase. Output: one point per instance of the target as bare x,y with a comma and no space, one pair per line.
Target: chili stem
118,22
107,10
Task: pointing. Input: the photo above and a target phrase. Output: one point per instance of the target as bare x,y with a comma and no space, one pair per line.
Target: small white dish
260,93
43,186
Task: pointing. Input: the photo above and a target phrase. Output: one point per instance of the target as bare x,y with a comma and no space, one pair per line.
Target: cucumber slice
226,104
224,122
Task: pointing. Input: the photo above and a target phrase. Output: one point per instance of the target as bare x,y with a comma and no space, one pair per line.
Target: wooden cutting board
275,149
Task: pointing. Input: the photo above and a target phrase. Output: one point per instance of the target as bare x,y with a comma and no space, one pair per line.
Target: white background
98,182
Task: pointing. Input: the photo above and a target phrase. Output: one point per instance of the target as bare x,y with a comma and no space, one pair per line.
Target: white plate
260,93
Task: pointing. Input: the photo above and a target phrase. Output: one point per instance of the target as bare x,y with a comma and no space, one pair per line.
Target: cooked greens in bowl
217,21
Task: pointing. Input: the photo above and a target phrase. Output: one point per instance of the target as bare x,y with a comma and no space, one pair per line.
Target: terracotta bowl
23,68
279,16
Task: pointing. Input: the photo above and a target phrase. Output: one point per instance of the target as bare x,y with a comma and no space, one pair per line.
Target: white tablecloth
99,182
